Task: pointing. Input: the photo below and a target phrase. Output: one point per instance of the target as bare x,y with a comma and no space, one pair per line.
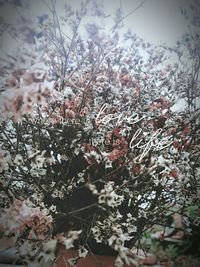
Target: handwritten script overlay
154,141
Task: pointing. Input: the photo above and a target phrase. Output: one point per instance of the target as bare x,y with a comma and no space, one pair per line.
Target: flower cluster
108,196
95,139
19,217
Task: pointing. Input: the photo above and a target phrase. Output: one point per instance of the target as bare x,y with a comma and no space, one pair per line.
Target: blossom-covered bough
93,154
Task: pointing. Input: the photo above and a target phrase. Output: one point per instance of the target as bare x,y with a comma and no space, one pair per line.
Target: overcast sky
157,21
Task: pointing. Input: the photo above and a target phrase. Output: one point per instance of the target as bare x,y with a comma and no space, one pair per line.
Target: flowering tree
93,154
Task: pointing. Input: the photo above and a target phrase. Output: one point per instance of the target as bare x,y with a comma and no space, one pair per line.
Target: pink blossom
19,216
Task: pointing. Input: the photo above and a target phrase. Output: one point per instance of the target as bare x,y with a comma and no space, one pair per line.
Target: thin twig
125,16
